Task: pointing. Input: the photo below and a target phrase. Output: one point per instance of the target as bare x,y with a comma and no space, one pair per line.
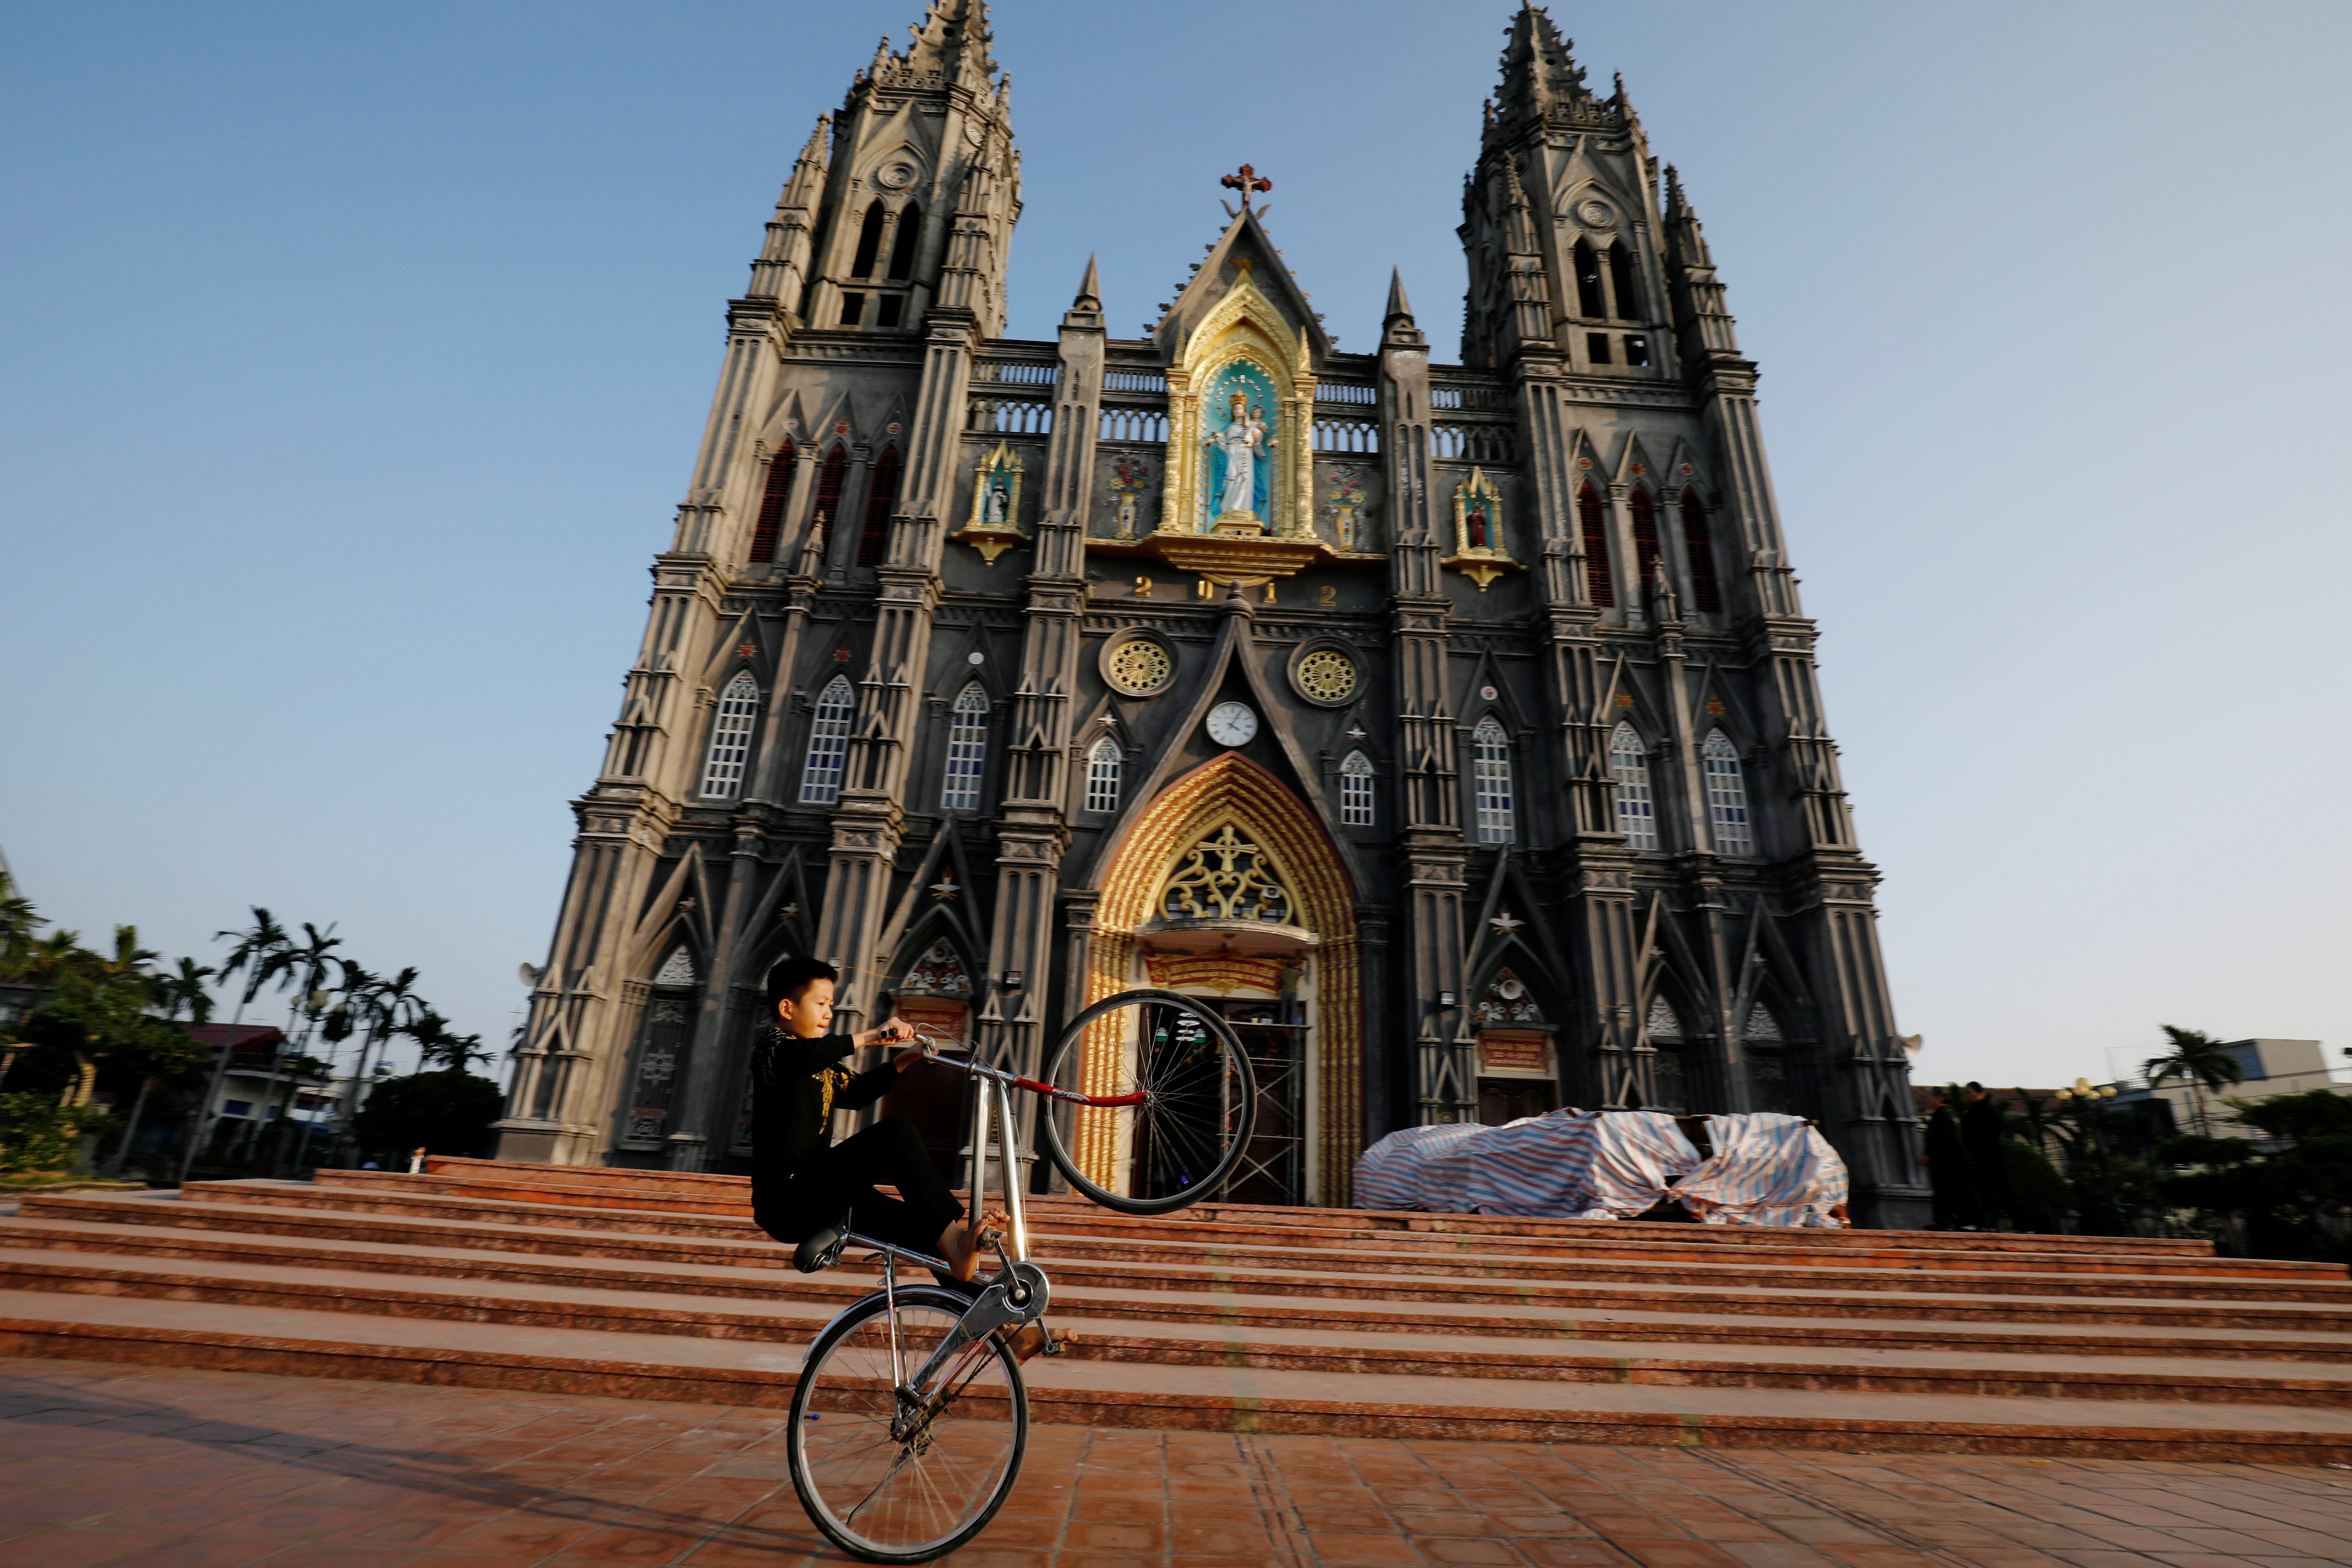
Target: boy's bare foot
960,1244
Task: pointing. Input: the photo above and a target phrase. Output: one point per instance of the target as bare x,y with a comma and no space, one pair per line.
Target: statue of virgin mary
1241,449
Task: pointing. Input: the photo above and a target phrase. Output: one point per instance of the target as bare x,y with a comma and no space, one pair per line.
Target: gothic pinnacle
1398,304
1089,289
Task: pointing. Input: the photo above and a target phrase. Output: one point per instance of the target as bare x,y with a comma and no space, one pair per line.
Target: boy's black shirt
796,1087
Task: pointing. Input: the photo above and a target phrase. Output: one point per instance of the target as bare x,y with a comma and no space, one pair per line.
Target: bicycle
910,1418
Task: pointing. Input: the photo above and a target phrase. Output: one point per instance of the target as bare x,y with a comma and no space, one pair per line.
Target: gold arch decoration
1230,790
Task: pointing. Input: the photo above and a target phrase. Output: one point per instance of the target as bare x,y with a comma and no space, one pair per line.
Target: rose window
1326,675
1140,667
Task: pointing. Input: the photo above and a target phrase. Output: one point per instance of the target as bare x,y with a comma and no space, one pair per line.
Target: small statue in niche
1130,476
999,498
1474,526
1347,505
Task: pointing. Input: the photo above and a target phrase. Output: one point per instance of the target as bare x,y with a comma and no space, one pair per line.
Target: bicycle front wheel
897,1476
1191,1101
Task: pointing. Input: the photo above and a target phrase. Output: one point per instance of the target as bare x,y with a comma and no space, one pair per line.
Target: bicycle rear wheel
1198,1101
894,1480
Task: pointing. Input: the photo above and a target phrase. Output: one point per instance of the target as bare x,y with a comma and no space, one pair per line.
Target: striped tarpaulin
1768,1170
1584,1164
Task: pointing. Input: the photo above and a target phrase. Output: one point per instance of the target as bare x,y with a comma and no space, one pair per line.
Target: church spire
1397,328
1702,318
781,272
1541,81
1086,310
952,42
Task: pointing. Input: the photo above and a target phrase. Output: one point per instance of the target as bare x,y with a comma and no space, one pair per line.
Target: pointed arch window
1105,769
731,739
1588,299
1600,585
967,750
1698,546
941,972
828,751
1490,773
881,500
1727,796
1637,810
771,526
1668,1082
1621,282
870,241
1645,536
1356,791
902,248
662,1039
828,483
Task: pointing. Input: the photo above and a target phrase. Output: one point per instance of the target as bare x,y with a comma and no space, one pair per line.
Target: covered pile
1765,1169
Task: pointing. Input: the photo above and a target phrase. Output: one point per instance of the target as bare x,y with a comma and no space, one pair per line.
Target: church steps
735,1189
1179,1395
1315,1349
1679,1244
2319,1283
1419,1285
829,1291
730,1195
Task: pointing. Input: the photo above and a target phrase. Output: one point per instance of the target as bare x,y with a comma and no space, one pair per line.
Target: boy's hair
790,977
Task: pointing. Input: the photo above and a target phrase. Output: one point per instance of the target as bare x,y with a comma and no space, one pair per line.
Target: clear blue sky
355,356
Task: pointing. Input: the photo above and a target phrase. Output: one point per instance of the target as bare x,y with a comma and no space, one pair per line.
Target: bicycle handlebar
980,1070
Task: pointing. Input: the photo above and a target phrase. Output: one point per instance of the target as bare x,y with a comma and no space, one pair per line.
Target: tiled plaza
164,1467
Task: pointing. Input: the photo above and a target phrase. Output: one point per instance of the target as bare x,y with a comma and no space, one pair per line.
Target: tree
444,1113
2291,1187
306,967
182,991
256,946
2207,1064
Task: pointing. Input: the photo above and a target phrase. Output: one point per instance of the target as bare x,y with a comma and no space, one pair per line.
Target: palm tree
387,1008
43,964
182,991
2207,1064
305,968
255,947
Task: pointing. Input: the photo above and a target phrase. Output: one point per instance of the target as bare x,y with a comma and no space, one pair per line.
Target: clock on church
1232,724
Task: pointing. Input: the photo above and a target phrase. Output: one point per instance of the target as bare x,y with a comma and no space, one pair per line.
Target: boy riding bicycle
802,1181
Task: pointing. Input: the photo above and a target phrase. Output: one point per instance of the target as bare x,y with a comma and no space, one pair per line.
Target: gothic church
1455,727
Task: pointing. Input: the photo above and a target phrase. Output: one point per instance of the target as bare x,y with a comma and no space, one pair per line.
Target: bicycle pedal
1053,1345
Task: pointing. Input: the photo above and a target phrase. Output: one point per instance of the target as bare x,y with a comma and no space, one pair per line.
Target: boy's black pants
835,1186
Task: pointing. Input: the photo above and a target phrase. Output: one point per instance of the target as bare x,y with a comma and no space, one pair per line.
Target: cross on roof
1246,181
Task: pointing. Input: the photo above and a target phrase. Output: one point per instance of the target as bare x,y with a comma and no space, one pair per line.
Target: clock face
1232,724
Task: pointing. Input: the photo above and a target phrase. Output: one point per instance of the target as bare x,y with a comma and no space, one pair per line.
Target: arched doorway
1226,887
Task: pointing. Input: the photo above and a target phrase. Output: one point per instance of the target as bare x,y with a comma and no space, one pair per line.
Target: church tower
1454,727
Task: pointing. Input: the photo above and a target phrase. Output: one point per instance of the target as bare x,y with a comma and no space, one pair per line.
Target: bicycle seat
821,1251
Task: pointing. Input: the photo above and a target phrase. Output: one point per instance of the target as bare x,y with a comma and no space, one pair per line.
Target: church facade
1453,728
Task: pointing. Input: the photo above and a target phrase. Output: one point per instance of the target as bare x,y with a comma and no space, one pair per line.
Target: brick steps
1318,1349
1155,1395
1677,1245
1994,1303
2322,1284
30,1240
653,1285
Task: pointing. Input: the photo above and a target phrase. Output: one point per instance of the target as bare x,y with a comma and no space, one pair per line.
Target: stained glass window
828,750
1490,753
967,750
1726,797
1637,813
1104,768
1356,791
730,738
